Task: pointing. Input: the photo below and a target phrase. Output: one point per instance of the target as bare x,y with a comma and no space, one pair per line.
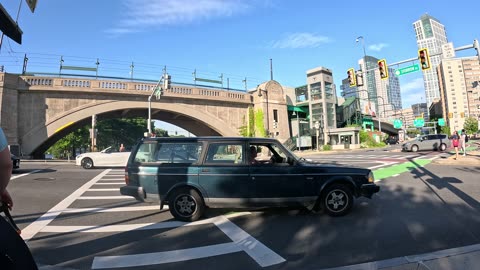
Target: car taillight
127,180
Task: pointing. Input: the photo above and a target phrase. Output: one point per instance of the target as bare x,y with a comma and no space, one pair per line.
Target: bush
327,147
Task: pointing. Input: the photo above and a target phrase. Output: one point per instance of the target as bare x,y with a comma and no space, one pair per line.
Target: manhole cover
44,179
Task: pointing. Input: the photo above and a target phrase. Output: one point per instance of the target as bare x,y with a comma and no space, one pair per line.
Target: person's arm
5,169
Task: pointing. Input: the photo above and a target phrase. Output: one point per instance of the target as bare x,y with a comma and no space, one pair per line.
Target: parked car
15,161
429,142
106,158
192,174
391,140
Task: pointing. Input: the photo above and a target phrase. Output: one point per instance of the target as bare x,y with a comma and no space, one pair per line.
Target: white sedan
106,158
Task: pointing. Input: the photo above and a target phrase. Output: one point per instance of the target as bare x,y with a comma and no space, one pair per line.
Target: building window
275,115
316,91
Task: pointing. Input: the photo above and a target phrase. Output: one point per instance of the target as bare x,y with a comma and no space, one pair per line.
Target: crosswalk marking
164,257
103,189
115,209
105,197
111,183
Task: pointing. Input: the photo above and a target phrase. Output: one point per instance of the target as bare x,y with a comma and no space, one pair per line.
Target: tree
67,145
248,129
471,125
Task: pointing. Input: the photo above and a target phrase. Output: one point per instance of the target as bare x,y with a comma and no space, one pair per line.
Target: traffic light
424,58
167,80
462,114
351,77
450,115
382,67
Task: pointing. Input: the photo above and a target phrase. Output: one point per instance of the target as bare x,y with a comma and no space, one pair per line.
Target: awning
292,108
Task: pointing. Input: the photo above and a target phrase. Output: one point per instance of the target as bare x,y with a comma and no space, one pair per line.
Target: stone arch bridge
36,111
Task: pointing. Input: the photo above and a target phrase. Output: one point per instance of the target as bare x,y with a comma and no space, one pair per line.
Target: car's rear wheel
337,200
443,147
87,163
186,204
414,148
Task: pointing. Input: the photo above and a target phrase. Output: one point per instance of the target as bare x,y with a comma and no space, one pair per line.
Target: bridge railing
81,84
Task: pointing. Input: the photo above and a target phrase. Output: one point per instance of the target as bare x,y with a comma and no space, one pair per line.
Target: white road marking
385,164
46,218
111,183
113,179
164,257
24,174
103,189
105,197
258,251
116,209
242,241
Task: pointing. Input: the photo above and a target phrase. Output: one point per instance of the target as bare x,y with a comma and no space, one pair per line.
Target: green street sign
441,122
397,123
408,69
419,122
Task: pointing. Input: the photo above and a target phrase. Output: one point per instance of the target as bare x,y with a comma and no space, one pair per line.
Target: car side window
146,152
186,152
224,153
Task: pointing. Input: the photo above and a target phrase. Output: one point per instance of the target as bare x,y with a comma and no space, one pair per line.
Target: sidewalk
464,258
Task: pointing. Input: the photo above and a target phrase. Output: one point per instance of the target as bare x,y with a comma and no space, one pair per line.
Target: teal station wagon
192,174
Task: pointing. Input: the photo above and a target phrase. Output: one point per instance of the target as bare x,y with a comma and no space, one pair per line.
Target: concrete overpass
36,111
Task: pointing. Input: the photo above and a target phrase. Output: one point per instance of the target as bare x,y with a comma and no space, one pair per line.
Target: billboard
368,107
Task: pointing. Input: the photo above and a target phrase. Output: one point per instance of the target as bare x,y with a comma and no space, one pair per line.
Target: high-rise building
384,93
431,34
460,90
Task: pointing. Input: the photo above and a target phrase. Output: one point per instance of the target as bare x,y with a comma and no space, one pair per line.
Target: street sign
419,122
408,69
441,122
397,123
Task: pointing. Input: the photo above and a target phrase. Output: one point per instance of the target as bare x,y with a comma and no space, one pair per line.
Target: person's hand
6,199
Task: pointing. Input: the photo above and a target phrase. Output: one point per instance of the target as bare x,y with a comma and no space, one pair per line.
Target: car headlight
371,178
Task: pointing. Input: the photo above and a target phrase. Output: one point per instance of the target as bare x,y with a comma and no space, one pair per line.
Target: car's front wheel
414,148
87,163
443,147
337,200
186,204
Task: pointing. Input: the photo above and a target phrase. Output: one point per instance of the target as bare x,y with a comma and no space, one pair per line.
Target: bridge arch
186,116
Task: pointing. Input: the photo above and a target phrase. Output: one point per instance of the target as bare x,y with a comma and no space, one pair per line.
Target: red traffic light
382,68
424,58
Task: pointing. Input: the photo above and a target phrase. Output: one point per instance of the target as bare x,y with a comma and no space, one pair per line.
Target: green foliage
327,147
413,132
471,125
445,130
366,140
259,126
248,129
160,132
111,132
66,146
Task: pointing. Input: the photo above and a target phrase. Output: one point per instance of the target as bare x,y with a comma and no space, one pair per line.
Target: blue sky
233,37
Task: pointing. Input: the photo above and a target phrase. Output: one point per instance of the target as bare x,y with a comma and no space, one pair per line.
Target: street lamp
266,97
298,131
155,91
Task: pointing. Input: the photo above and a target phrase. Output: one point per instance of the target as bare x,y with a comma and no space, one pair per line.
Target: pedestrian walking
463,141
455,142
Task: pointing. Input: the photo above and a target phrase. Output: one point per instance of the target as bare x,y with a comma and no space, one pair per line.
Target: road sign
397,123
408,69
441,122
419,122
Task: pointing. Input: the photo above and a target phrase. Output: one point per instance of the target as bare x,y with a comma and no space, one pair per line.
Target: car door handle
205,170
310,178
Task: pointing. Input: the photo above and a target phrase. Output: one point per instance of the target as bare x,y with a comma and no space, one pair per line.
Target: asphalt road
423,209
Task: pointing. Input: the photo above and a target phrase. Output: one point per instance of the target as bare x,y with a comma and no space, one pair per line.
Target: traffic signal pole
475,46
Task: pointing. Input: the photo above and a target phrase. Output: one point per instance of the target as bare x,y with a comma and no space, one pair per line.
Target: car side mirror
290,160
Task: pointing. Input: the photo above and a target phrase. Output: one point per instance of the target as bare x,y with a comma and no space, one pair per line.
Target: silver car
430,142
